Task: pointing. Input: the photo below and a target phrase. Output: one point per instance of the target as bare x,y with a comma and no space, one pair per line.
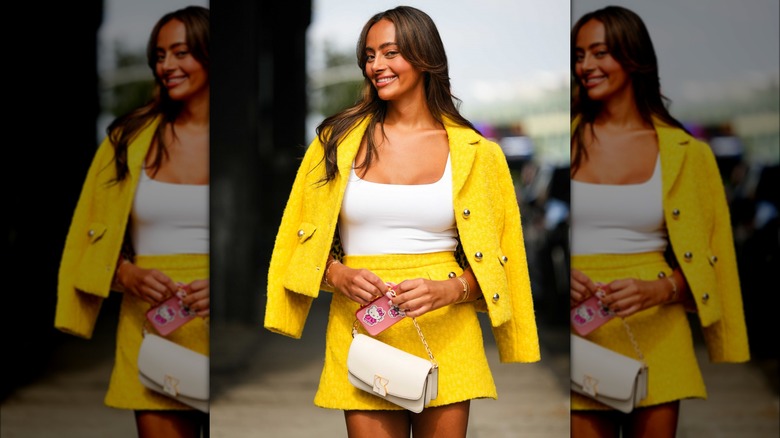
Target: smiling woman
372,212
141,225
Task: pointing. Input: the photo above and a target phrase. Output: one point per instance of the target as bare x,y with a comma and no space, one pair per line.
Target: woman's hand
149,285
359,285
627,296
198,297
420,296
581,288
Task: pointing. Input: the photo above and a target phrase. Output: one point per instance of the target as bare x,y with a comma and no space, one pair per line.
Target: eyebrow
172,46
383,45
591,46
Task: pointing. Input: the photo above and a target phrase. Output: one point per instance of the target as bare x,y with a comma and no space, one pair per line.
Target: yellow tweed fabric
452,332
662,332
125,389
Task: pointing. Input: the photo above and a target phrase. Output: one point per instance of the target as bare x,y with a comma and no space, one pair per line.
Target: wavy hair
628,41
124,129
419,43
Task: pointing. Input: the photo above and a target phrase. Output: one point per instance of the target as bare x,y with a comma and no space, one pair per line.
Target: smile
381,82
592,81
173,81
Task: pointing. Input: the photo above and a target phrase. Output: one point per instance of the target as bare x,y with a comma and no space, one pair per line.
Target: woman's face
601,75
392,75
180,73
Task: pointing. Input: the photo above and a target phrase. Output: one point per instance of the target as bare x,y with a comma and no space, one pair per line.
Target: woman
141,223
408,181
642,187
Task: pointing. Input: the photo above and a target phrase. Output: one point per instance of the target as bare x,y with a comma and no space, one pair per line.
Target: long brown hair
628,41
124,129
419,43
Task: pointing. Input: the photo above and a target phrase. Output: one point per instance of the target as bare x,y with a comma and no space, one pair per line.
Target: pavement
263,385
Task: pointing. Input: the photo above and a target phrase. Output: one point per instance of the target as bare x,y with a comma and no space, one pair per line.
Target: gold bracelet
674,289
327,271
466,289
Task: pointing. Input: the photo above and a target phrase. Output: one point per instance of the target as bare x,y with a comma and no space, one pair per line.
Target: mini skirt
125,390
662,332
452,332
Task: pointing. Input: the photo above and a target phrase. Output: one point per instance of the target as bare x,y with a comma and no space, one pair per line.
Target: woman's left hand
627,296
198,297
419,296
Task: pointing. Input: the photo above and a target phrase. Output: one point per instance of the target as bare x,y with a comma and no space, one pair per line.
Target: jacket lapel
140,147
671,145
463,149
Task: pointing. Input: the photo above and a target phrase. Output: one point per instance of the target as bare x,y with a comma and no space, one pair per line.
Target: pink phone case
169,316
589,316
378,315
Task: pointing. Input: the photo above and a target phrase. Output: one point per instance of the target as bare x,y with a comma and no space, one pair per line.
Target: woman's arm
627,296
149,285
419,296
359,285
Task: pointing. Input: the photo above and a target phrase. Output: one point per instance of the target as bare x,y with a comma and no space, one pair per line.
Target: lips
593,80
383,81
172,81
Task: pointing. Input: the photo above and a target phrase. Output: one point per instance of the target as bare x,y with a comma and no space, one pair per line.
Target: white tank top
170,218
398,219
618,219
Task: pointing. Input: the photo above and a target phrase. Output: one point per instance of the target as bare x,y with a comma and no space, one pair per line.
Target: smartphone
378,315
170,315
589,316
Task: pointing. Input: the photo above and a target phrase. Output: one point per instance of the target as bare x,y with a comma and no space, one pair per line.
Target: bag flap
178,370
387,369
601,371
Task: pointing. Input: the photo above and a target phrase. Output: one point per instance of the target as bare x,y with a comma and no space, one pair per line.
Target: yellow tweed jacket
95,236
487,218
699,227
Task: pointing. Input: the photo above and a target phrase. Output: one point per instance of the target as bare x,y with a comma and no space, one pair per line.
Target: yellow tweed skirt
662,332
453,334
125,390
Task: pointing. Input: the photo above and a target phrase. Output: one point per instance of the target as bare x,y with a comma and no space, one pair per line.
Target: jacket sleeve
517,338
76,310
726,338
285,310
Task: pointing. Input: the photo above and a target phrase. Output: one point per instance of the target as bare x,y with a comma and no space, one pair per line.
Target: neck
196,111
621,112
410,113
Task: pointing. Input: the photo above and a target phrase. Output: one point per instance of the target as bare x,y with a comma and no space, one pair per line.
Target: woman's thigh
174,424
595,424
442,421
377,424
659,421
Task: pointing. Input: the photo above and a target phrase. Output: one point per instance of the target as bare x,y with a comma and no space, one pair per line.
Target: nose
587,63
378,64
168,62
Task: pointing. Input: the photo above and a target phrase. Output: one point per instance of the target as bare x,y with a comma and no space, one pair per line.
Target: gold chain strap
633,341
425,343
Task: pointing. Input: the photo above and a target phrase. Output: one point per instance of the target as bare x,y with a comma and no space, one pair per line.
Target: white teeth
384,80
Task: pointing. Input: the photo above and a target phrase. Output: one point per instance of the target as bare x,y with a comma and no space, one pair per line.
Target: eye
182,53
578,57
391,54
601,53
369,58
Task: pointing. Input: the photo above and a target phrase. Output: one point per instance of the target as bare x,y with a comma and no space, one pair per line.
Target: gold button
676,213
301,233
713,260
91,233
661,274
504,259
478,256
452,275
496,296
688,256
466,213
705,297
